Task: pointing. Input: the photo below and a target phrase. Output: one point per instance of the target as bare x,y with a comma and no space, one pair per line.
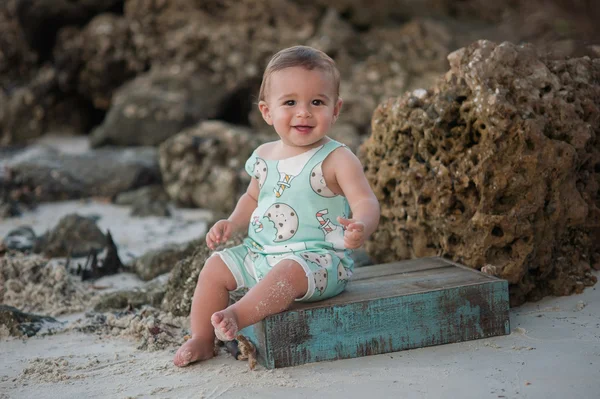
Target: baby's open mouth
303,128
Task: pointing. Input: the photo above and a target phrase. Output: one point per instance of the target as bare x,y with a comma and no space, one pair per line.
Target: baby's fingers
356,227
353,235
210,240
353,239
226,233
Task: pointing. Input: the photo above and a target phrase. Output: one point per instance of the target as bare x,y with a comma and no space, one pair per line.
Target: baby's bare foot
225,324
193,350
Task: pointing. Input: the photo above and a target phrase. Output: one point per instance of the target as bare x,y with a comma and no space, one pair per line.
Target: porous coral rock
193,33
498,164
204,166
96,60
28,111
400,58
184,277
32,284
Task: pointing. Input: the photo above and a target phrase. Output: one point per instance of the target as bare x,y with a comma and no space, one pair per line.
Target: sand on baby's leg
273,294
211,295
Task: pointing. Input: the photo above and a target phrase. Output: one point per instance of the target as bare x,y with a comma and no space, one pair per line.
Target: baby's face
301,104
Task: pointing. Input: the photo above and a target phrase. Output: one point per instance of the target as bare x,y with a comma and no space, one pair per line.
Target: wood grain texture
387,308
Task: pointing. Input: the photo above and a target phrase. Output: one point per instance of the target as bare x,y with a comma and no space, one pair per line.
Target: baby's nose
303,113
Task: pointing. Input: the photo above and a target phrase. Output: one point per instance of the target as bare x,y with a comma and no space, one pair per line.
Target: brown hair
303,56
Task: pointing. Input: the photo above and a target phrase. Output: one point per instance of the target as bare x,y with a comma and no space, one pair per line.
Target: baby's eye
317,102
290,103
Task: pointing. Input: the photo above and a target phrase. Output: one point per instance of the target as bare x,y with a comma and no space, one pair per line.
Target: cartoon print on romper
343,274
334,233
317,182
254,244
285,220
260,171
258,226
249,262
320,280
291,167
323,260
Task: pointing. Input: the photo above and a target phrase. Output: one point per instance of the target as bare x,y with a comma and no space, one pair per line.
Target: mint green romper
296,218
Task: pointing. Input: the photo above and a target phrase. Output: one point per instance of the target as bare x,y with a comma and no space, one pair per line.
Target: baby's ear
337,108
265,112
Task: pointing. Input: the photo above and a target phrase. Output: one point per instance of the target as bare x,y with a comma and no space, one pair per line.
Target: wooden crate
387,308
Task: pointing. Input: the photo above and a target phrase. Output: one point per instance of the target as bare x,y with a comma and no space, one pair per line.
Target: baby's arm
239,218
350,177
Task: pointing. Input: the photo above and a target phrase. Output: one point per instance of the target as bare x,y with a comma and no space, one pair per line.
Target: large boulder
17,60
232,39
38,107
204,166
96,60
399,58
41,19
157,105
146,201
50,175
497,166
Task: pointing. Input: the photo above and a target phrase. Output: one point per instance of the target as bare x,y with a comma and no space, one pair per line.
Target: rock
50,175
95,60
34,284
99,264
364,14
184,276
204,166
18,61
399,58
157,105
37,107
232,40
497,165
333,36
21,239
74,236
19,324
40,20
157,262
146,201
150,294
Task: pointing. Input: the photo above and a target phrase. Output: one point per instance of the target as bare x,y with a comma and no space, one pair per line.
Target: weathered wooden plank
388,269
434,302
398,284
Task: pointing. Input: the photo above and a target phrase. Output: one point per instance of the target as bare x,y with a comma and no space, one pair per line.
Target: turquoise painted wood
387,308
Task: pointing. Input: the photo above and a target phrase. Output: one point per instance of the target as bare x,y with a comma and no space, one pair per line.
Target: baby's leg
211,295
273,294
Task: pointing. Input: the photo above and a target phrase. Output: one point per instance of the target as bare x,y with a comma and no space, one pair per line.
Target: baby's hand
219,233
354,236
